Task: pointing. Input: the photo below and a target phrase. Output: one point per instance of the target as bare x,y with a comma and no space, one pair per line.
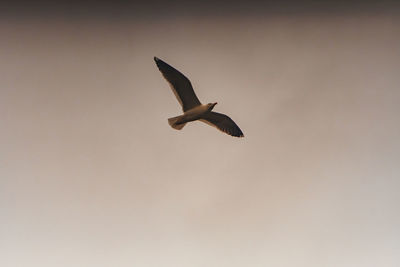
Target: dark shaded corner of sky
156,9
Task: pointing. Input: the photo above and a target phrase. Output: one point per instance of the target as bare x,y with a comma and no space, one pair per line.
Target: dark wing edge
180,85
223,123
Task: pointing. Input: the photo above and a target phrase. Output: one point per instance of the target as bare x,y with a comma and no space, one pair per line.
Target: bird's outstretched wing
180,85
223,123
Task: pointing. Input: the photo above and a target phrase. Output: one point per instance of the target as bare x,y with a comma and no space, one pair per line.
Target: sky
91,174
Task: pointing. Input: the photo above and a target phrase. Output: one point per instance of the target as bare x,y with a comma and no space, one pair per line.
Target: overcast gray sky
91,174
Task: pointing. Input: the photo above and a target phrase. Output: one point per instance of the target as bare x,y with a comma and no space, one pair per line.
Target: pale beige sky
91,174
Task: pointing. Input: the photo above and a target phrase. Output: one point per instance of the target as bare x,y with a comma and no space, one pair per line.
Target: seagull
192,108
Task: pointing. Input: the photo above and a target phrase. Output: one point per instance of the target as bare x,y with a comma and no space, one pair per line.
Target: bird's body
194,113
192,108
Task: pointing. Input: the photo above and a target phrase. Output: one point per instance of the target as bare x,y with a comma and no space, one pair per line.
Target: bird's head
211,105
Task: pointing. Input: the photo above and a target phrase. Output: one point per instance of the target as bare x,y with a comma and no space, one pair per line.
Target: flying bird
192,108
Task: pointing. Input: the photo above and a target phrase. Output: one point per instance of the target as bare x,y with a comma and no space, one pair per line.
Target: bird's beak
215,103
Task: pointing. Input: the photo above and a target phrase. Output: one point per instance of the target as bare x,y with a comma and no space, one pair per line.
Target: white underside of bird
193,114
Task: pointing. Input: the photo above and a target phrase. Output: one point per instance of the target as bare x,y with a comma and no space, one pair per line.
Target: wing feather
222,123
179,84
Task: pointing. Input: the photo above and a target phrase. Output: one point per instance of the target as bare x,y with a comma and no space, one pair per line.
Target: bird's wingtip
156,59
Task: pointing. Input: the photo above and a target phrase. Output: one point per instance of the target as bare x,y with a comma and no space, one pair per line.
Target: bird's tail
174,123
